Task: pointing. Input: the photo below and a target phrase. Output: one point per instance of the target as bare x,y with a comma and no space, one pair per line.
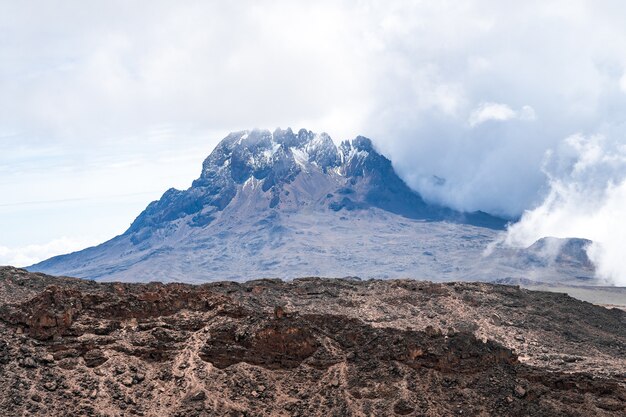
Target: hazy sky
105,105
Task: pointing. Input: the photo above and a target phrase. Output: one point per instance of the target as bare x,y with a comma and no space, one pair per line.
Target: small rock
140,377
50,386
198,396
432,332
279,312
254,394
610,404
94,394
403,408
128,381
28,363
5,352
36,398
94,358
520,391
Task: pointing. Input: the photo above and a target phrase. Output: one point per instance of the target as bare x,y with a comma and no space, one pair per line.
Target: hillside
308,347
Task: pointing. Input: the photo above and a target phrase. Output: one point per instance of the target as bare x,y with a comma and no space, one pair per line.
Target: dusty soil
308,347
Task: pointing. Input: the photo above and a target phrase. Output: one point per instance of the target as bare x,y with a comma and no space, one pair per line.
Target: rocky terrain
307,347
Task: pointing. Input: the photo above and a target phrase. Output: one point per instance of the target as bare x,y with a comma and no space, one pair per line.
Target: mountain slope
287,204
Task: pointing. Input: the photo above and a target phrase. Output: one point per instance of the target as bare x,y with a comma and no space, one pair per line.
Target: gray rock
198,396
28,363
520,391
50,386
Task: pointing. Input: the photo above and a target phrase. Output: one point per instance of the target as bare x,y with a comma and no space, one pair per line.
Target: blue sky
105,106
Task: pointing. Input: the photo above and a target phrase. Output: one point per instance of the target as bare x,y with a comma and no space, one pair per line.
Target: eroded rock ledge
306,347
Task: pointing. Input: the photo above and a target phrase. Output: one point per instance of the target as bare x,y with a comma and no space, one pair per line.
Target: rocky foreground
309,347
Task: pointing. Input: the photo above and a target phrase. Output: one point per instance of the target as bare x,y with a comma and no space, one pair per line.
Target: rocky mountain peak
351,176
271,159
260,195
254,153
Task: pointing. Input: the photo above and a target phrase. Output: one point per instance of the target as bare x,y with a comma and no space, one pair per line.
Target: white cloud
87,86
491,111
587,196
499,112
622,83
526,113
30,254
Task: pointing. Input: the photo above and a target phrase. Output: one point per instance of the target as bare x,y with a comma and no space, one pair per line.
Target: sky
519,106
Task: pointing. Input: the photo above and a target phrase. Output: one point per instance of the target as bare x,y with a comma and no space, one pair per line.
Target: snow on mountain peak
351,176
256,152
266,194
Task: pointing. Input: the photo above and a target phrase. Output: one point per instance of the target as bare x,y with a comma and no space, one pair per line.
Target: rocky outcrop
307,347
51,313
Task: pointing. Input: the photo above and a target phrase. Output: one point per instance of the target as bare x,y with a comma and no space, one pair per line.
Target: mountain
306,347
293,171
285,204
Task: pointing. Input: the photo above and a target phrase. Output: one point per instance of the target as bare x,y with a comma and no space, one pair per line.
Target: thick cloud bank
465,97
586,198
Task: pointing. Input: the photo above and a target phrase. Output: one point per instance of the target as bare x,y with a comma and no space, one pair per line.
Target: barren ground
308,347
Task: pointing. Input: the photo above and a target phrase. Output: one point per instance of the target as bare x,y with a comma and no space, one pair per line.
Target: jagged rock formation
309,347
287,204
352,176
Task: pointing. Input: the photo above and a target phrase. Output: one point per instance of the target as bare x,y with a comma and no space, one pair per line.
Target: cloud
474,93
499,112
586,198
490,111
30,254
622,83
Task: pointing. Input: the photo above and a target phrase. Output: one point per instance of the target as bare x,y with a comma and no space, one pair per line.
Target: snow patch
301,157
250,183
242,138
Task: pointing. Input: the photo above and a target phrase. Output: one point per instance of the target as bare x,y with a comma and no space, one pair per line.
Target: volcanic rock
340,347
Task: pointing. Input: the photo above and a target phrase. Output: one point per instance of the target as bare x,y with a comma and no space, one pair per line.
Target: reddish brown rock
343,347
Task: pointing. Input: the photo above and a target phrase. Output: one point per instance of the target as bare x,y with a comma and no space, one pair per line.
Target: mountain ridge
284,204
276,158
